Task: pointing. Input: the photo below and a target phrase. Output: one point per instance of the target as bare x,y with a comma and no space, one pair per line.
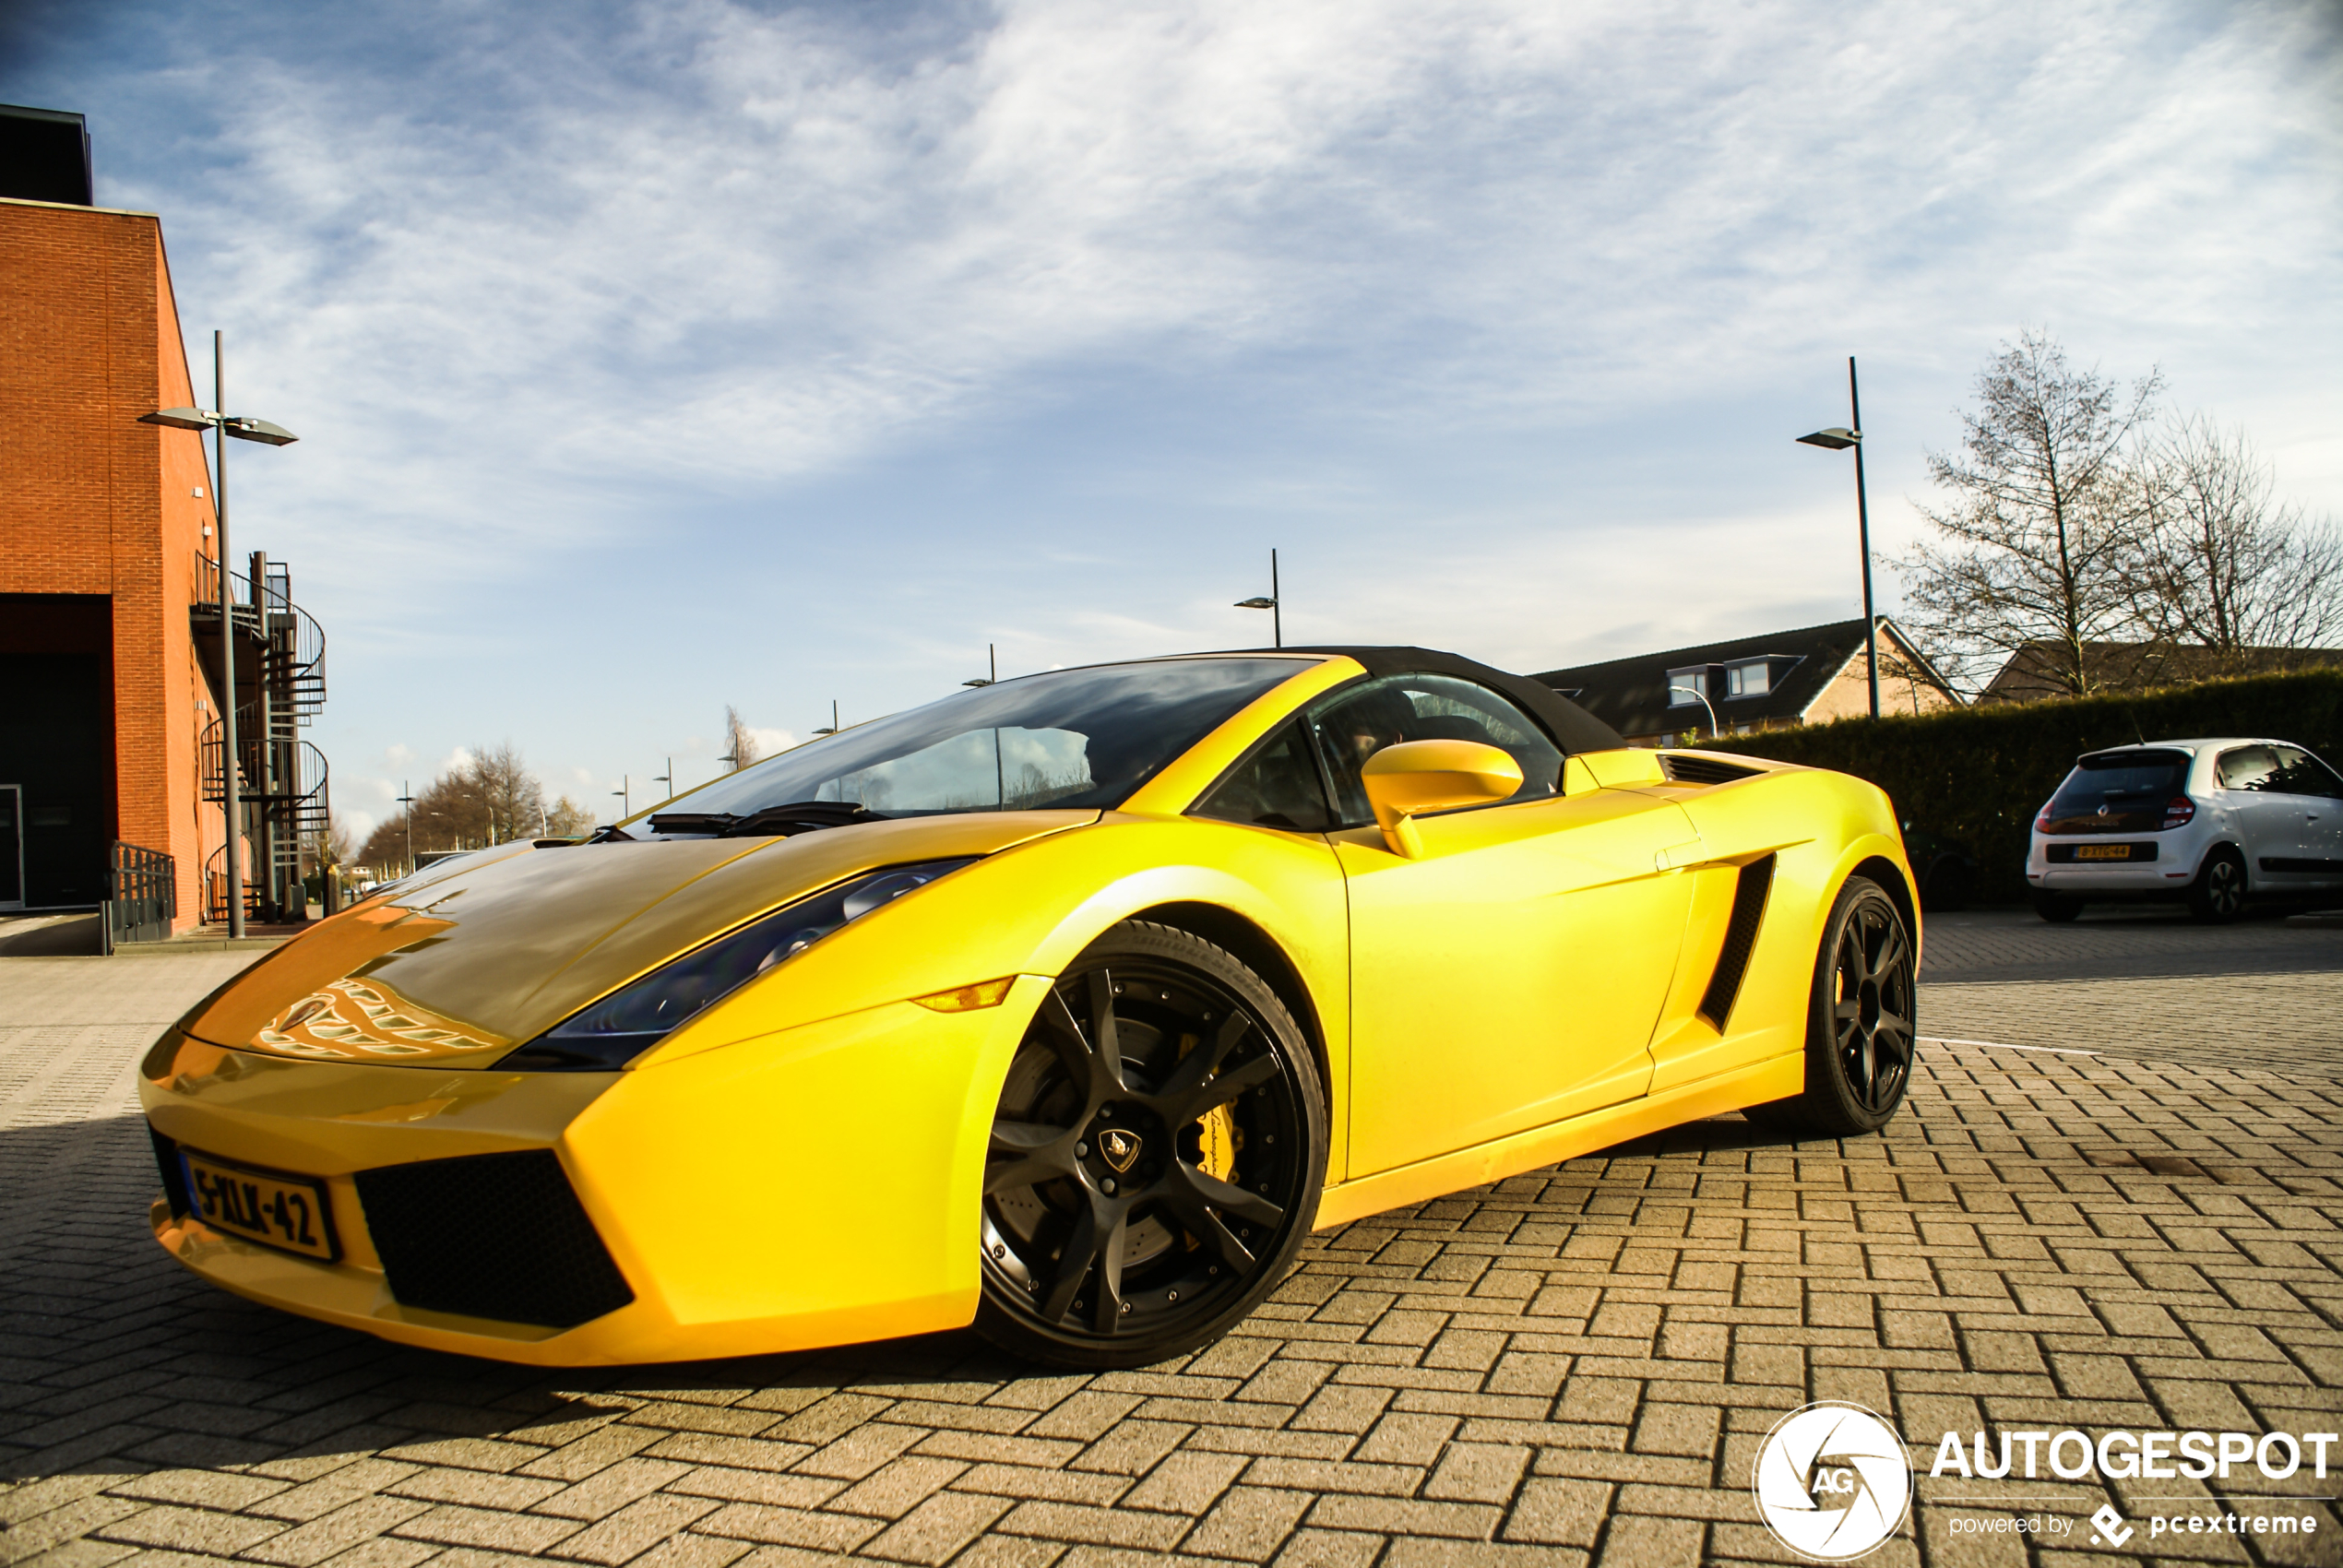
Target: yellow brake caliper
1219,1138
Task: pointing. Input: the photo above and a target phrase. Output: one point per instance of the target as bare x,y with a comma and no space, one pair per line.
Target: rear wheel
1156,1160
2056,907
1860,1044
2217,895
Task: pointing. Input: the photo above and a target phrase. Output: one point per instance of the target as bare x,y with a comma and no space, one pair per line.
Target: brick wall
99,504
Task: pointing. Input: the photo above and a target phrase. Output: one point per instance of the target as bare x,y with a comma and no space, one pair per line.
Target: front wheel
1860,1041
1156,1160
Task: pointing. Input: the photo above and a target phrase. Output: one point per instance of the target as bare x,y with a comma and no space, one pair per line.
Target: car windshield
2117,780
1075,739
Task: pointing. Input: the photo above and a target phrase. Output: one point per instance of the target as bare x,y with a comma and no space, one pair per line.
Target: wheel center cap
1119,1148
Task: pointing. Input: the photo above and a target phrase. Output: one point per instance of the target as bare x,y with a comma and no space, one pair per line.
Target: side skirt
1494,1161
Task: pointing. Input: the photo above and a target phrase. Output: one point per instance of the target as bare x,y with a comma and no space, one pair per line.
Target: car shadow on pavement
114,1360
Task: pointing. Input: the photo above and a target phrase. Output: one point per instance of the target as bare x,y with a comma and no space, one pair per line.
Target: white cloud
711,352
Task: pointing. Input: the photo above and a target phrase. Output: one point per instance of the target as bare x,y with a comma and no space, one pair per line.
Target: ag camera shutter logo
1832,1480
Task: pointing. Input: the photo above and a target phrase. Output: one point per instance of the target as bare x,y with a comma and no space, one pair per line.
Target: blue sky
652,358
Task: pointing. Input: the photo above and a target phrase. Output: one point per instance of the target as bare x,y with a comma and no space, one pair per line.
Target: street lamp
1694,693
668,779
243,428
1836,439
407,799
1277,615
833,728
626,794
992,664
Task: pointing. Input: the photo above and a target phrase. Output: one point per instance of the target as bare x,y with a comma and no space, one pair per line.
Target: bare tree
2222,564
739,746
385,850
2047,499
568,819
510,797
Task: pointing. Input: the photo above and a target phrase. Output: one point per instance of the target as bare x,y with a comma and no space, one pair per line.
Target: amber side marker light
968,998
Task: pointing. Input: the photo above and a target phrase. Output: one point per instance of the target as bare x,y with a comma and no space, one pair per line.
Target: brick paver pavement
2265,993
1572,1366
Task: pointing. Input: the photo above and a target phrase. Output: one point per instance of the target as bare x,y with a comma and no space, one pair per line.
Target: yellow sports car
1065,1006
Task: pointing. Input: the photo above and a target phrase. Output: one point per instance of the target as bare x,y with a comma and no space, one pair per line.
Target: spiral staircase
281,778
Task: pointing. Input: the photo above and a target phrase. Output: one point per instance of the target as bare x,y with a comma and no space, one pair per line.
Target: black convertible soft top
1573,728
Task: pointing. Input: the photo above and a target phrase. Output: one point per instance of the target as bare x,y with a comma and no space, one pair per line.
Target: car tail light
2178,813
2041,818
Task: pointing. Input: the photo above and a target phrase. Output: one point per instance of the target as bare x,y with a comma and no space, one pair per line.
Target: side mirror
1414,776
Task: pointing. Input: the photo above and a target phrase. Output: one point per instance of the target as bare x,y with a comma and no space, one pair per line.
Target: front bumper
815,1186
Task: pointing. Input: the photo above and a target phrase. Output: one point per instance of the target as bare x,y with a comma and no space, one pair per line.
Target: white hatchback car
2211,821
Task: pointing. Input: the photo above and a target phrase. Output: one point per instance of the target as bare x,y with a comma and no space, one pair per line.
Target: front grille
2066,854
1684,768
1740,939
497,1236
175,1175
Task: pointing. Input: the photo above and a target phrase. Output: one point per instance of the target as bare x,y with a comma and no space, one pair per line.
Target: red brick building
108,658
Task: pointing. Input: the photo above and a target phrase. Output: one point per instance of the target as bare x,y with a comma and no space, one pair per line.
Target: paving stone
1572,1366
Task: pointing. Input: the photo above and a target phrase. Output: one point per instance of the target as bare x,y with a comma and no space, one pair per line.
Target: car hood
457,968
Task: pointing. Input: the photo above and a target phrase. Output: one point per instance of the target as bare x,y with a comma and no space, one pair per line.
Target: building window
1695,679
1752,680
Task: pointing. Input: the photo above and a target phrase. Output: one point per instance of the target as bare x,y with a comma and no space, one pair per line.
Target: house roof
1630,694
2031,673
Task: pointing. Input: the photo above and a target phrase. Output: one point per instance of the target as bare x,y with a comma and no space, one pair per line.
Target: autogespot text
2126,1455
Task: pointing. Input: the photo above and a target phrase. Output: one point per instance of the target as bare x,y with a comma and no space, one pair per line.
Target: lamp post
1703,701
626,794
833,728
1837,440
1271,604
243,428
668,779
407,799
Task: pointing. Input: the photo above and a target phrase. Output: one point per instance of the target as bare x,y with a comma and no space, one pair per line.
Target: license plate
287,1212
2103,851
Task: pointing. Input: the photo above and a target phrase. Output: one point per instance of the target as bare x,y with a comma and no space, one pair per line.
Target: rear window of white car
2133,779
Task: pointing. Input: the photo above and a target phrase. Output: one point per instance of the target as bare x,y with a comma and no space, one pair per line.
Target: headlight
628,1022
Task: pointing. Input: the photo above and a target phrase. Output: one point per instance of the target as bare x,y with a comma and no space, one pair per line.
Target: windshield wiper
801,816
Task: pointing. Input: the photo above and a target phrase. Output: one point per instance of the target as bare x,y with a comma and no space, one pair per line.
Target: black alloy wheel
1156,1160
1859,1033
2217,895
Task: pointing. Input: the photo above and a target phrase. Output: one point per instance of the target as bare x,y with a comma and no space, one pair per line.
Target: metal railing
142,888
294,657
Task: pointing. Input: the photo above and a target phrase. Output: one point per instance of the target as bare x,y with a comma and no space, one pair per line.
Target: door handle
1689,852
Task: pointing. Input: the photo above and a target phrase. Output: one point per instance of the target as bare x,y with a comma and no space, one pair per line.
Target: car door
1510,976
2267,821
2315,796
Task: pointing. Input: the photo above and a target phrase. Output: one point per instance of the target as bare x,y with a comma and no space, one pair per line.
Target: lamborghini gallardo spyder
1065,1008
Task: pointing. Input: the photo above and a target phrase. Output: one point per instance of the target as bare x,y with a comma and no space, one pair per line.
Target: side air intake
1740,939
497,1236
1685,768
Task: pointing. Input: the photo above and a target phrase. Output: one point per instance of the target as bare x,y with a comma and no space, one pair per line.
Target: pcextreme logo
1832,1480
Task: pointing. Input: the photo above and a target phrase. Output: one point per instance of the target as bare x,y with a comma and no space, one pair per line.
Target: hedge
1977,774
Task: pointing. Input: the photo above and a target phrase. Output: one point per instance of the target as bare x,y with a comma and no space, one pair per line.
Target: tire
2217,895
1859,1039
1179,1168
2056,907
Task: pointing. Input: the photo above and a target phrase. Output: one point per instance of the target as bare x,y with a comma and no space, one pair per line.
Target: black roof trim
44,156
1573,728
